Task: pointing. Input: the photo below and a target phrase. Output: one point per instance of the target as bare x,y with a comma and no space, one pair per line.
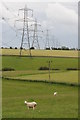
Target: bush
21,48
54,48
59,48
71,69
15,47
47,48
8,69
10,47
72,49
43,68
55,69
46,68
65,48
32,48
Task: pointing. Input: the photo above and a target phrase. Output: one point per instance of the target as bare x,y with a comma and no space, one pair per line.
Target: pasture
18,88
28,68
34,63
64,105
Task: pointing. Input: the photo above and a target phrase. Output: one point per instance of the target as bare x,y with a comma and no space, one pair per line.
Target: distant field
56,53
28,68
14,93
67,77
26,63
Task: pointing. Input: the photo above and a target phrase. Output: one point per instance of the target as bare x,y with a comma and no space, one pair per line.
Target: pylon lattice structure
35,42
25,42
47,45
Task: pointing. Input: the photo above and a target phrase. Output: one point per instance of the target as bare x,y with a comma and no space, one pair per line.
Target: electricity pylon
35,42
47,45
25,30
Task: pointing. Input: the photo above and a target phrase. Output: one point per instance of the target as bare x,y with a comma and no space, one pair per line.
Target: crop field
56,53
19,87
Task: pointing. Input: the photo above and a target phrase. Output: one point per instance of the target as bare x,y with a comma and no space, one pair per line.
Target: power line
8,19
8,9
3,18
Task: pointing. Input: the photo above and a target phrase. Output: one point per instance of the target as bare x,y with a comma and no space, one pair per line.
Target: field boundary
44,81
41,56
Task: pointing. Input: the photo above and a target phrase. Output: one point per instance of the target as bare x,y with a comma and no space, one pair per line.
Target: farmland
56,53
27,63
19,86
39,55
29,70
15,92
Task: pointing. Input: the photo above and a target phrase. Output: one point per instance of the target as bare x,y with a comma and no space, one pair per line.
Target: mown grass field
26,63
56,53
28,68
59,77
64,105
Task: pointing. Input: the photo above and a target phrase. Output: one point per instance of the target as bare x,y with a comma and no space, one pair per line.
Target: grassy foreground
64,105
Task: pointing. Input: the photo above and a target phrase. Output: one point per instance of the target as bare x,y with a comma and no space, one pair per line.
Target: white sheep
55,93
30,104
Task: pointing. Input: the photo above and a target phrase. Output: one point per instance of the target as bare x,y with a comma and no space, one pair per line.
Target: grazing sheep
30,104
55,93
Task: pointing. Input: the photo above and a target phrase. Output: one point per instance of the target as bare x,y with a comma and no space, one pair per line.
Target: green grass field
64,105
27,68
26,63
64,77
59,77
